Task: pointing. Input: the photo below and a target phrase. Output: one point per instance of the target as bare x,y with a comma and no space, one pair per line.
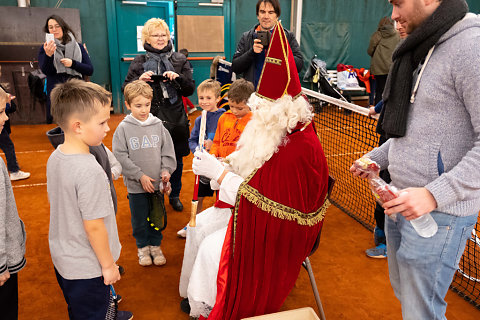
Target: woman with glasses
62,57
170,77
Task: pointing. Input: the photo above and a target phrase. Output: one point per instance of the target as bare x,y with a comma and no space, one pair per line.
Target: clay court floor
351,285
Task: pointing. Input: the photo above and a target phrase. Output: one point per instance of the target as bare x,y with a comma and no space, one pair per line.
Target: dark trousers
379,212
371,96
8,148
9,299
379,86
87,299
176,179
144,234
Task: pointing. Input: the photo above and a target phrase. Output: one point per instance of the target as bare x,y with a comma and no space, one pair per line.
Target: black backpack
36,83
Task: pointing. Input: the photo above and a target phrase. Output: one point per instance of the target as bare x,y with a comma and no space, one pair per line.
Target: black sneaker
176,204
124,315
185,306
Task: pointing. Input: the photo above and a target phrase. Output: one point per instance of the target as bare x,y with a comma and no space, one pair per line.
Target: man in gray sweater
432,117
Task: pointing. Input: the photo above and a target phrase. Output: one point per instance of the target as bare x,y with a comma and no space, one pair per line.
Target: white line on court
29,185
33,151
44,183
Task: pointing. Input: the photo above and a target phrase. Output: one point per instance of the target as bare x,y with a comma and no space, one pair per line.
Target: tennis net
347,132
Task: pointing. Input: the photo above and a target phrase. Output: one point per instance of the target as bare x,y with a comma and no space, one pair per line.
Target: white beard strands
267,131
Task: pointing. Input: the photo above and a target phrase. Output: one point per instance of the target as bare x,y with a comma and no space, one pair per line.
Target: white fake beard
271,121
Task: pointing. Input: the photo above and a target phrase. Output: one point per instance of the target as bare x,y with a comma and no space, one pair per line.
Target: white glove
214,185
205,164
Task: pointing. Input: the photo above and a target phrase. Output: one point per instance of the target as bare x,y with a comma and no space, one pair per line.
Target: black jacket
243,61
173,115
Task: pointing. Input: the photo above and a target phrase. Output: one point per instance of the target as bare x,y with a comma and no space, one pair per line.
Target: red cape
278,214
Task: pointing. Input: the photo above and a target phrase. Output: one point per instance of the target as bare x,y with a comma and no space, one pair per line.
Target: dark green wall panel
335,30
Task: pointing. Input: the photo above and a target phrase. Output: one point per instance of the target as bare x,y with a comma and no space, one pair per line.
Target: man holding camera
249,57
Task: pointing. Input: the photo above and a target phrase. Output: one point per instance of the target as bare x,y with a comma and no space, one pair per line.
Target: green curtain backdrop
335,30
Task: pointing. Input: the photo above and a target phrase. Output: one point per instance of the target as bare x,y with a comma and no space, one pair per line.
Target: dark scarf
406,58
158,61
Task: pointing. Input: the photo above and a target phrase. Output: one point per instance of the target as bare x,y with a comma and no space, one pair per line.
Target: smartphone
49,37
158,77
264,37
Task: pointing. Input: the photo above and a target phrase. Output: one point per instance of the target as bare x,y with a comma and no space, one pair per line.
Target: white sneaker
144,258
182,233
19,175
157,254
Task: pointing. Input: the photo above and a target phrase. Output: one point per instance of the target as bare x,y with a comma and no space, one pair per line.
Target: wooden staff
201,139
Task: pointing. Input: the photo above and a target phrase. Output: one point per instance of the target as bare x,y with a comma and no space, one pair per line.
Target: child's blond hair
77,96
137,88
240,91
210,85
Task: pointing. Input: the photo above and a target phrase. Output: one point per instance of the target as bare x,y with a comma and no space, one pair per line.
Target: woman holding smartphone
171,78
61,57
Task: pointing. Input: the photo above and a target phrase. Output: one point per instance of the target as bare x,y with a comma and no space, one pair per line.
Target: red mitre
279,75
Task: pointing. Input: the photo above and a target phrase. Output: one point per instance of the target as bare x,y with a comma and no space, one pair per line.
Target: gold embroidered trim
273,60
276,209
281,211
266,98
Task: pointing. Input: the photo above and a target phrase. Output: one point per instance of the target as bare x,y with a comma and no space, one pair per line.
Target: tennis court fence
347,132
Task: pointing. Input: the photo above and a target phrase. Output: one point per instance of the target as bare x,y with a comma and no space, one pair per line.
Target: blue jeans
176,179
139,208
421,269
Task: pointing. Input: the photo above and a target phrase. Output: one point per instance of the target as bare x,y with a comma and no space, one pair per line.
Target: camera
264,37
158,77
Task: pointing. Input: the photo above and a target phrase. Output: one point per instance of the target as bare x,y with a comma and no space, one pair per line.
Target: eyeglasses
159,35
52,27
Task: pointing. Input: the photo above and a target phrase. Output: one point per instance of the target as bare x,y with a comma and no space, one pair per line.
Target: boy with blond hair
208,97
231,124
12,237
83,236
145,150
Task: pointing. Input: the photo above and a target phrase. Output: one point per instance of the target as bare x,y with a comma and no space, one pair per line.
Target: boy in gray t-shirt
83,235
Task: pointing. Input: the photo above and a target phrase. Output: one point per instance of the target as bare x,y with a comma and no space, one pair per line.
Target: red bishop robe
278,214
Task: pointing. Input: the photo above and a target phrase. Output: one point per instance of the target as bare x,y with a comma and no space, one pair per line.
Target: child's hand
147,185
10,97
110,274
4,277
208,144
165,176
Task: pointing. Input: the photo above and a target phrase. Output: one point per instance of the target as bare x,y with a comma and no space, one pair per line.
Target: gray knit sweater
441,147
12,230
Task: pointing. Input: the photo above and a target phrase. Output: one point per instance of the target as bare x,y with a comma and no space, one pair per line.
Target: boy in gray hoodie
431,116
12,237
145,150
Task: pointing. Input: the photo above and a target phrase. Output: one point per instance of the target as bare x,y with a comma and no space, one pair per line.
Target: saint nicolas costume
280,204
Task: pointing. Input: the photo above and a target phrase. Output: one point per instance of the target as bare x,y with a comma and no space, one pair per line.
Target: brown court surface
351,285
